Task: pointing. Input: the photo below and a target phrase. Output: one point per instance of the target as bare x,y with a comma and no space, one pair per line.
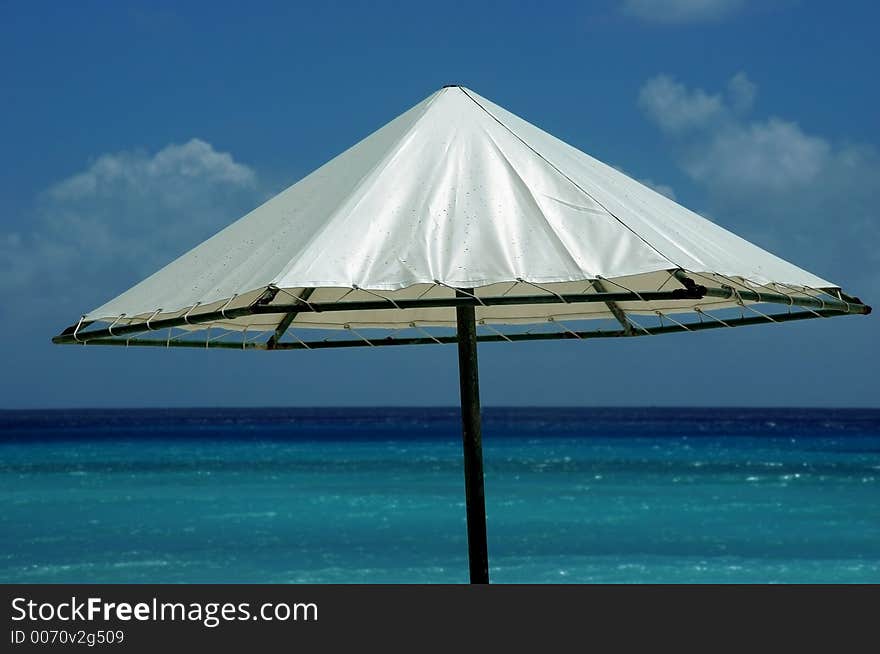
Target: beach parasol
459,222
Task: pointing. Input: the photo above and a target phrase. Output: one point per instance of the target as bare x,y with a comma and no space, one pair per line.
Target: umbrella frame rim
816,306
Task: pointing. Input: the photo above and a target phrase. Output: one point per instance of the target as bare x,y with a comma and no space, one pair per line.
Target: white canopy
457,192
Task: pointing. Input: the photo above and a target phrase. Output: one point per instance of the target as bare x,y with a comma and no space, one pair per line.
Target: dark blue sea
376,495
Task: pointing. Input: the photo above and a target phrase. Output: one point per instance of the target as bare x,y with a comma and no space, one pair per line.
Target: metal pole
478,553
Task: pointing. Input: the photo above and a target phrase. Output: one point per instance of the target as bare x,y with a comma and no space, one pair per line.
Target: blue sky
130,132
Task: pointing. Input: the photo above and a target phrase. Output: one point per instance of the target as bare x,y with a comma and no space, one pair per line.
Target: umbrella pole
478,554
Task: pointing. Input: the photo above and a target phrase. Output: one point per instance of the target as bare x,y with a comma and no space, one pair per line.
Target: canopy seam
574,183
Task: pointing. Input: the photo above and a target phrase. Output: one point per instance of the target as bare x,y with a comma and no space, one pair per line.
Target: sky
130,132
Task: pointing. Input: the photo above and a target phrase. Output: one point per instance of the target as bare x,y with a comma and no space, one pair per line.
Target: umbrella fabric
457,192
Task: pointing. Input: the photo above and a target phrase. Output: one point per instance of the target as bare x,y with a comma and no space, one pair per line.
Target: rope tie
751,285
492,329
541,288
790,297
713,317
628,290
818,295
840,297
302,301
358,334
642,327
512,286
189,311
672,320
565,327
298,339
344,295
226,332
670,275
452,288
76,329
814,297
743,305
426,333
733,281
760,313
226,306
155,313
381,297
736,296
427,290
113,324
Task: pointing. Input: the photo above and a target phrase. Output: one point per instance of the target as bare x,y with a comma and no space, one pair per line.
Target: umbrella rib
614,308
287,320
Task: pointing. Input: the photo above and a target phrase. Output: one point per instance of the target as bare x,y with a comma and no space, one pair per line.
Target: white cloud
721,147
770,154
742,92
680,11
138,172
674,108
794,192
125,215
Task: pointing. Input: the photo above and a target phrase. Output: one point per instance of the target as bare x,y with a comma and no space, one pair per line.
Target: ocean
376,495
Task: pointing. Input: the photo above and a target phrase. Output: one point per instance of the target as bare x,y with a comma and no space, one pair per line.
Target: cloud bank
121,218
674,108
796,192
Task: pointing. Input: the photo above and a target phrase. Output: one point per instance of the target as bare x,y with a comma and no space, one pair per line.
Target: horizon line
453,407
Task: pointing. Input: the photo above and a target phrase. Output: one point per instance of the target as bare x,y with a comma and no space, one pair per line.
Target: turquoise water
345,495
